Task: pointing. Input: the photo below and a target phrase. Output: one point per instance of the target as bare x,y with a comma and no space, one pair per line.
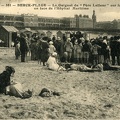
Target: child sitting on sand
52,63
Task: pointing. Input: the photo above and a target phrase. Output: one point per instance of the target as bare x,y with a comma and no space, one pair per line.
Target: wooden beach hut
8,34
49,34
60,34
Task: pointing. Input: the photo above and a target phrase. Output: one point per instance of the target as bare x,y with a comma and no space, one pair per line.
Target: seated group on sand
54,64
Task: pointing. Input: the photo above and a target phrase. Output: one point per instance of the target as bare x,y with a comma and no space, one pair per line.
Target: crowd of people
62,54
72,49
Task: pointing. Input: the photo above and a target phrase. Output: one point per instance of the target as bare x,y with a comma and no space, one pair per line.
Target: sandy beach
83,95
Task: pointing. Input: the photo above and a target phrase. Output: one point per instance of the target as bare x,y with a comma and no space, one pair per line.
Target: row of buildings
77,22
108,25
10,24
30,20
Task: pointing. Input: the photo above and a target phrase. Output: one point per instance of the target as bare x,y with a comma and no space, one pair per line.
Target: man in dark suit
23,46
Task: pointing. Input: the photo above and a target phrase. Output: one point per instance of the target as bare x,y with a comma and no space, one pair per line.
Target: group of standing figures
74,49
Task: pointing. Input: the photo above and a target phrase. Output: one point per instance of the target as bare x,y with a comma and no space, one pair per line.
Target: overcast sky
106,10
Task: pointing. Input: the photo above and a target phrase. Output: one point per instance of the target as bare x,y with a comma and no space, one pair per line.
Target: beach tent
8,34
67,34
60,34
49,34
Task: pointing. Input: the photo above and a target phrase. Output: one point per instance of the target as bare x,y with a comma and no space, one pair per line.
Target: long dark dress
43,53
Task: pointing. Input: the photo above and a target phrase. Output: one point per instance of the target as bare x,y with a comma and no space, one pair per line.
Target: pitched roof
10,28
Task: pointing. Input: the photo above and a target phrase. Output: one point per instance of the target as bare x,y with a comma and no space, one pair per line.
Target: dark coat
86,47
103,49
113,46
59,47
43,50
23,45
5,78
118,48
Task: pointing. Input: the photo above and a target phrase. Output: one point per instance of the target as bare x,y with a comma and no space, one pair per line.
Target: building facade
104,25
50,22
83,21
108,25
11,20
31,20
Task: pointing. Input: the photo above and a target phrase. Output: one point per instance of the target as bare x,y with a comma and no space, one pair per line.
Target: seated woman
12,88
52,63
5,78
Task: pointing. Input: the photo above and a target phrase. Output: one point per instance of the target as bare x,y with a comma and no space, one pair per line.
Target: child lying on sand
16,89
84,68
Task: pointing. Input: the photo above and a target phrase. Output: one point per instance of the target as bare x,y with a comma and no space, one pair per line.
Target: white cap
69,39
50,42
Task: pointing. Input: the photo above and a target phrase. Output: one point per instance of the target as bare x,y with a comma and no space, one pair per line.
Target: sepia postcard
65,57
